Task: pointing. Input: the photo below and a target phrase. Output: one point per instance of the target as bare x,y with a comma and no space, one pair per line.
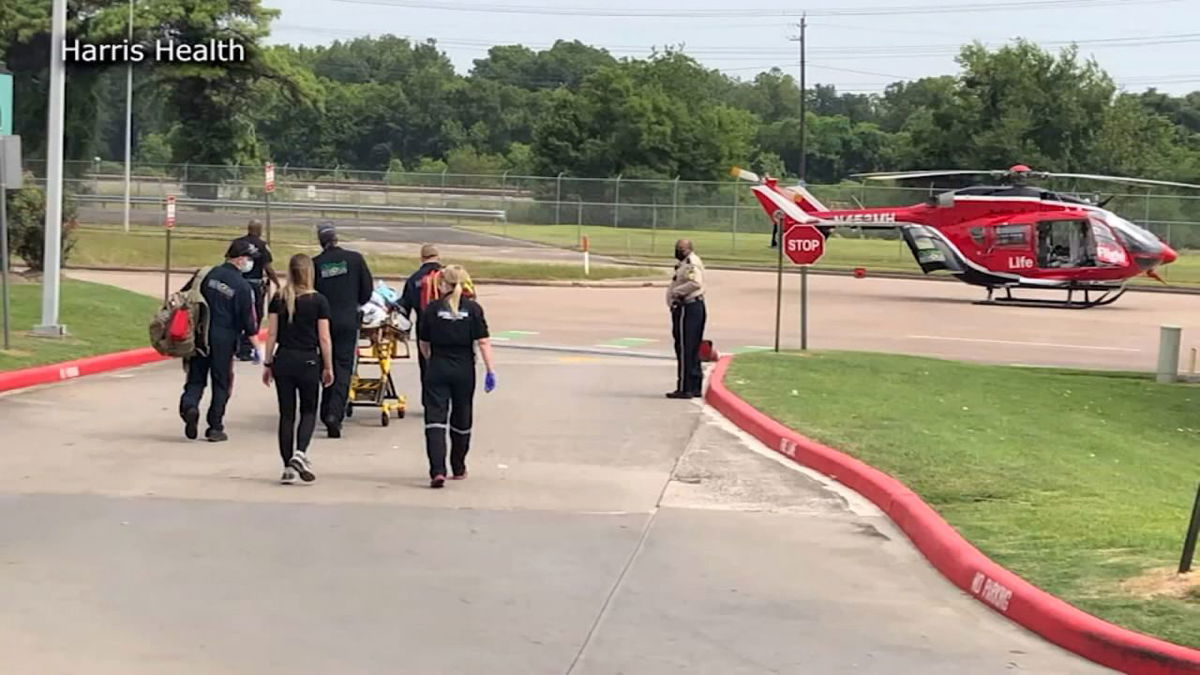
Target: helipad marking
506,335
1023,344
750,348
626,342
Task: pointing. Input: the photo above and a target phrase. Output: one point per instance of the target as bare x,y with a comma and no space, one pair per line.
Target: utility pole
803,26
128,121
52,259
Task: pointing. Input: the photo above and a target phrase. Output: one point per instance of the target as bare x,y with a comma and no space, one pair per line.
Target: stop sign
803,244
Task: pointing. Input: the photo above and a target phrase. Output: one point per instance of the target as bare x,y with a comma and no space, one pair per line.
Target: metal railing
307,207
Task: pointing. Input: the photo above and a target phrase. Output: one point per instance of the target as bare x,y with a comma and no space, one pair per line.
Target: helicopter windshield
1137,239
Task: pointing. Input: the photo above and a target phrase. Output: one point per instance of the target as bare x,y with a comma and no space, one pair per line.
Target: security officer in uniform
344,279
262,264
231,319
685,297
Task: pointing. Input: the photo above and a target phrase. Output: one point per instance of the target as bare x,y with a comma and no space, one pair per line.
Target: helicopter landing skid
1090,299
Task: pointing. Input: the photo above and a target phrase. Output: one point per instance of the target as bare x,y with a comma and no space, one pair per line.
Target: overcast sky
858,45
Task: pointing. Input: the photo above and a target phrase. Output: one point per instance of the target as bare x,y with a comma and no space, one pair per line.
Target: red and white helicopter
1006,236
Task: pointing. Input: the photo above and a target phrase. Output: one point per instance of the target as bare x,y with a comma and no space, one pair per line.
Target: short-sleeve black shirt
452,336
300,334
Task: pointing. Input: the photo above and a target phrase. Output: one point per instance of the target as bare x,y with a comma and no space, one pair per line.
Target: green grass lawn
111,248
1075,481
752,250
99,318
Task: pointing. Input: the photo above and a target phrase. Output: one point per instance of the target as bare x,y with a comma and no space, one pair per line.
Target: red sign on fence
169,220
269,177
803,244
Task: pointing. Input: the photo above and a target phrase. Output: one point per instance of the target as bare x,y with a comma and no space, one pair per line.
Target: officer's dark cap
239,248
326,233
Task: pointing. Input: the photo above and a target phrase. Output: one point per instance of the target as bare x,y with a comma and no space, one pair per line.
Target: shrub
27,226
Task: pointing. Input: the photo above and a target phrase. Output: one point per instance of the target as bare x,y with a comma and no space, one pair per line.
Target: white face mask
244,265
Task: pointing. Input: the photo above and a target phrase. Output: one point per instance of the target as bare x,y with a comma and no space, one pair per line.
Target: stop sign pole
779,221
804,245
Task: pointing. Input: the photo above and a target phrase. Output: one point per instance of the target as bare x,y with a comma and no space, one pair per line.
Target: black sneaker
302,466
334,430
438,481
679,394
191,417
215,436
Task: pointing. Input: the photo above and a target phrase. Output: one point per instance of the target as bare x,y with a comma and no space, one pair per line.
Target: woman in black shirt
448,331
299,324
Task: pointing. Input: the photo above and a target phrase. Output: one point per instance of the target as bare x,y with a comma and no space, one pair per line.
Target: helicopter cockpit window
1012,236
1065,243
1109,250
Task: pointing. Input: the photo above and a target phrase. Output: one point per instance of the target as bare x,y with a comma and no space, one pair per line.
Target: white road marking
1023,344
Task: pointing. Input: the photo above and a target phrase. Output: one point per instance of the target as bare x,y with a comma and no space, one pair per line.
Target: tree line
391,104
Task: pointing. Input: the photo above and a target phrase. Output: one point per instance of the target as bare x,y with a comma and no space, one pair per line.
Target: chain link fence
635,204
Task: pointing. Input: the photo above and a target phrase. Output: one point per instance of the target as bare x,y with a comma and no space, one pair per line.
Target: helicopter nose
1169,255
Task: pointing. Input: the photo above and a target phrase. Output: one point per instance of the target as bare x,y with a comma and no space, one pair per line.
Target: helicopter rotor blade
1121,179
742,174
901,175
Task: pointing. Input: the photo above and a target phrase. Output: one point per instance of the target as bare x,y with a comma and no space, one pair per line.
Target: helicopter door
930,249
1065,244
1012,247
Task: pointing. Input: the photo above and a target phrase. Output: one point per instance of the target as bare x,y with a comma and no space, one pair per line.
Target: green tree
644,119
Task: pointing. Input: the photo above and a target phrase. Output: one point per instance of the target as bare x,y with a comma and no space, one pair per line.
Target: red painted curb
91,365
67,370
1001,590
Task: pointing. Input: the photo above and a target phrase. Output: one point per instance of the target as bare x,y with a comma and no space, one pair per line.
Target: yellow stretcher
377,346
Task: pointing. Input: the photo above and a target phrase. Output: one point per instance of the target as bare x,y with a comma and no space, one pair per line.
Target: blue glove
255,356
489,383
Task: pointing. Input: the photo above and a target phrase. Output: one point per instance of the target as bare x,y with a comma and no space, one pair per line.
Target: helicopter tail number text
864,218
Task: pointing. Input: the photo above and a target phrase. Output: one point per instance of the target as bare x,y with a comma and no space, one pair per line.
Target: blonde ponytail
456,278
300,282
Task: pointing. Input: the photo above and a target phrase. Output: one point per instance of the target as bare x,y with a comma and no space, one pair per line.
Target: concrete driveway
604,529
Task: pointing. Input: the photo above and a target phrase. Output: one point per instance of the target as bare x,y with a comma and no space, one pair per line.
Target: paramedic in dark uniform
344,279
231,319
410,297
450,327
262,264
685,297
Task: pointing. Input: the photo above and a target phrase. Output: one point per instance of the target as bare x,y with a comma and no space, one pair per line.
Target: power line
550,10
857,52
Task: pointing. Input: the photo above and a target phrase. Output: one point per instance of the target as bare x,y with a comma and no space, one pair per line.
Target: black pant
297,374
421,365
687,327
449,390
333,399
259,290
219,365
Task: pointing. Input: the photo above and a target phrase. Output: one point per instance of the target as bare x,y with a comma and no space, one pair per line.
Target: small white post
1168,354
586,257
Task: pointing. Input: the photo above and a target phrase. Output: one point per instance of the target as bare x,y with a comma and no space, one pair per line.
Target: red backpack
429,288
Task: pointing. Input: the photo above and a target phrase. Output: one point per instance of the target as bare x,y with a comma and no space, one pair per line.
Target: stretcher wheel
385,418
349,411
400,414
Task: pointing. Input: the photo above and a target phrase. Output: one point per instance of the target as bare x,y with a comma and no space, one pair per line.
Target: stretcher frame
376,346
